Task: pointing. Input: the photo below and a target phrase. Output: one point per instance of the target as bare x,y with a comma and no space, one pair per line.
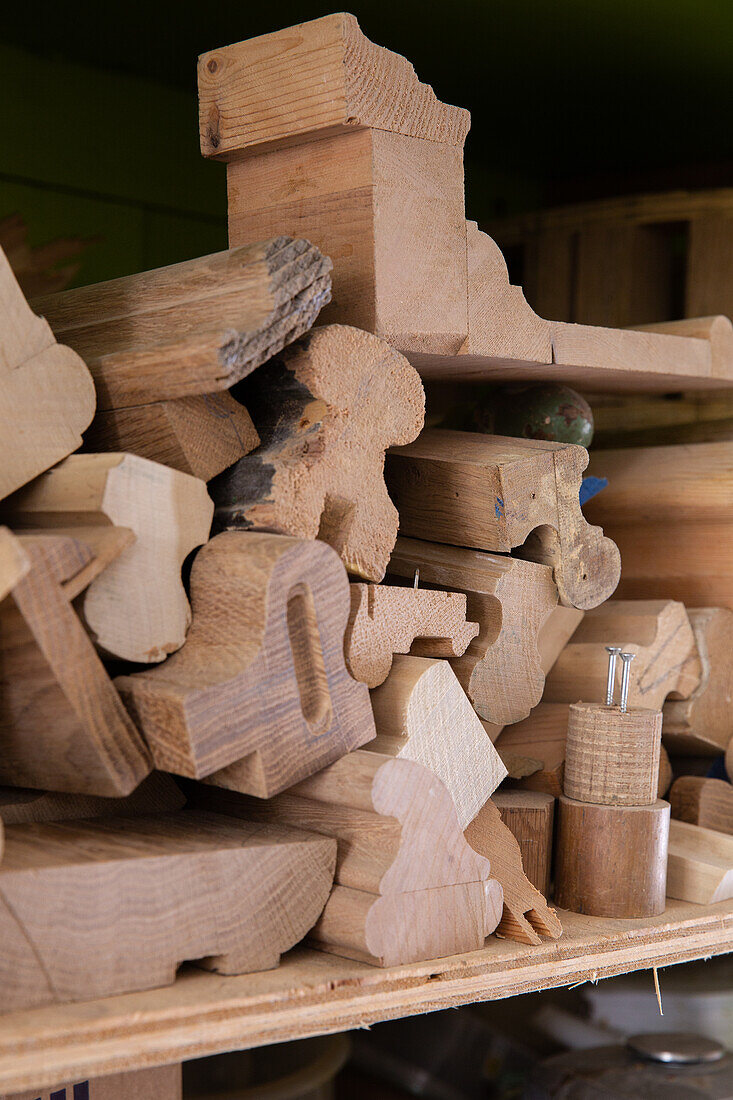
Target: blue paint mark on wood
590,486
499,508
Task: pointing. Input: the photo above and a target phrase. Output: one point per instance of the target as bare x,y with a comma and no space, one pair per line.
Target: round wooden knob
612,756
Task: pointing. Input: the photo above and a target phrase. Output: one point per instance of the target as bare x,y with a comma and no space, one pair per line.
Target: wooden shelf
313,993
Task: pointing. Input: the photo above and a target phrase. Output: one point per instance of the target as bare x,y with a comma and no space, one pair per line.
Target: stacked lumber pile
270,647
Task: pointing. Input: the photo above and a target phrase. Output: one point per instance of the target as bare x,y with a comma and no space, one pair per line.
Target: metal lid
679,1047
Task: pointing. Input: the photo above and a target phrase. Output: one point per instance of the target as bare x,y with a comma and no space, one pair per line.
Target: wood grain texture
612,756
48,393
199,435
611,861
160,1083
526,916
700,867
502,669
422,713
74,895
324,431
705,802
137,609
407,885
499,494
14,562
703,721
540,736
385,620
158,793
530,816
194,327
259,697
63,725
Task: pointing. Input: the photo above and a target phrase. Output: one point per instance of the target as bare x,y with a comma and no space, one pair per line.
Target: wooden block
611,861
194,327
63,725
160,1083
422,713
75,896
703,722
324,430
259,697
199,435
709,258
716,331
529,816
555,633
665,771
658,632
498,494
137,609
501,671
385,620
526,916
407,885
705,802
157,794
48,393
540,736
612,756
700,867
14,562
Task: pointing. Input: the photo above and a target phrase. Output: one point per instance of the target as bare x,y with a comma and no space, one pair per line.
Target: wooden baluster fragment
325,409
259,697
74,895
159,793
48,393
500,494
705,802
137,609
385,620
502,669
529,816
62,723
407,886
700,867
703,721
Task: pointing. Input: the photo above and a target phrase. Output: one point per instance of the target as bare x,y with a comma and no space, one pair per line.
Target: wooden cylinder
612,756
611,861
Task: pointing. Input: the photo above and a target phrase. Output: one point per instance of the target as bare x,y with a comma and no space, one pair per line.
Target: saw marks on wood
326,409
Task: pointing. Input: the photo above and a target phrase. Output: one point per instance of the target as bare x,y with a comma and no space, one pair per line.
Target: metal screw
613,652
627,658
416,581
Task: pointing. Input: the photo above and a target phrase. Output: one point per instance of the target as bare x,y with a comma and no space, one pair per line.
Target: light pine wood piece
157,794
137,609
529,816
612,756
658,632
385,620
62,724
326,410
700,865
705,802
199,435
502,668
611,861
259,697
498,494
703,722
75,896
194,327
407,885
422,713
48,393
160,1083
526,916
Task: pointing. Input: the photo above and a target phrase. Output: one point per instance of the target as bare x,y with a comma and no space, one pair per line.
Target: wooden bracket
703,721
700,867
502,669
326,409
176,875
259,697
705,802
137,609
385,620
500,494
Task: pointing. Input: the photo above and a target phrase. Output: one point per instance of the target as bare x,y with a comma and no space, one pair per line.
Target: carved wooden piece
422,713
229,894
259,697
529,816
199,435
14,562
63,725
48,393
386,620
157,794
703,722
325,410
705,802
194,327
526,916
137,609
502,669
611,861
498,494
700,865
612,756
407,885
541,736
658,632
